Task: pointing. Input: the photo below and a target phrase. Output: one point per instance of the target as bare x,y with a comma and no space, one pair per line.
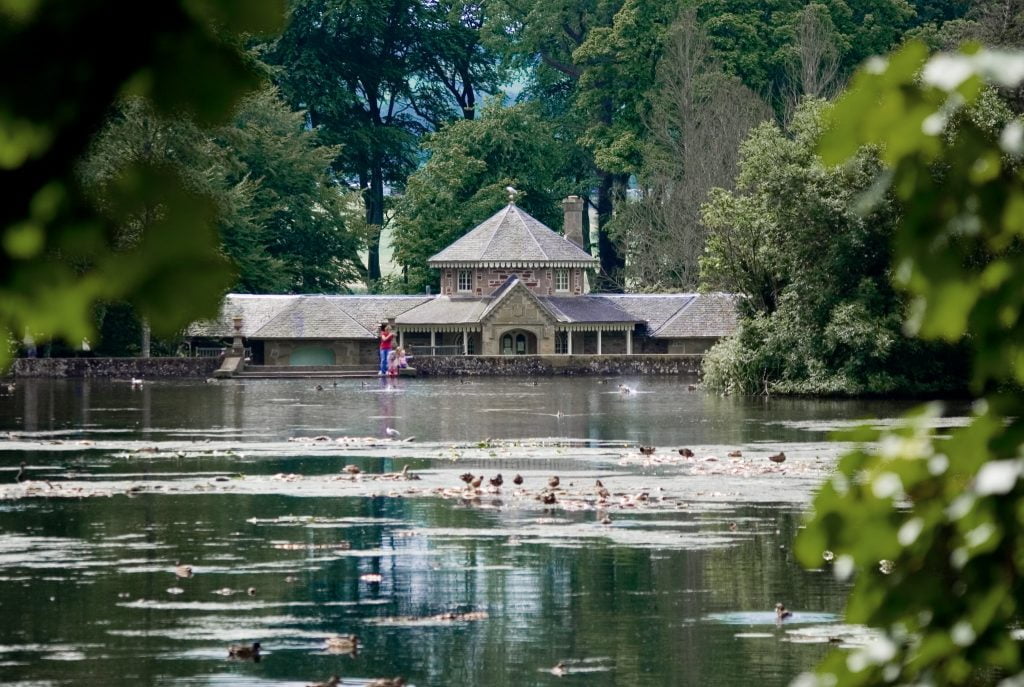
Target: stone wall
554,365
115,368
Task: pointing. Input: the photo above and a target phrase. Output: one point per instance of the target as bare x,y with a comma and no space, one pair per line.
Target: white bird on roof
392,432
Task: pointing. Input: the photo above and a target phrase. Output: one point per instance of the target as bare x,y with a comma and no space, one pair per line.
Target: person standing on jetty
386,337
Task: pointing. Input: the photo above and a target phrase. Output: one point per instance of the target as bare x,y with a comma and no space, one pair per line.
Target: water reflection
439,591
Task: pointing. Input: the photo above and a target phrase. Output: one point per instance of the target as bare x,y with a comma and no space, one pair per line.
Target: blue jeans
384,352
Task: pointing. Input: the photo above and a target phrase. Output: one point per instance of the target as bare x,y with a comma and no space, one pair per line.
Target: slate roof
512,237
255,312
709,314
285,317
312,317
446,310
591,308
655,309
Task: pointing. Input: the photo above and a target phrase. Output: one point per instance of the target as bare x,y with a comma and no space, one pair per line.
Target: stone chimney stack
573,224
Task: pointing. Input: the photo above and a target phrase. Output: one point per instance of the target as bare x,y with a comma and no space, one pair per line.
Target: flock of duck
340,644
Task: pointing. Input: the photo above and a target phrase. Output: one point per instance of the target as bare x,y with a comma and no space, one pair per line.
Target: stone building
511,286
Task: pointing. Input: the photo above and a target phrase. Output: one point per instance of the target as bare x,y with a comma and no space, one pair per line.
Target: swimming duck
647,450
781,613
21,473
352,469
686,453
735,454
182,570
332,681
602,491
496,481
388,682
477,482
346,644
319,387
548,497
623,389
517,480
560,669
553,482
466,477
779,457
245,653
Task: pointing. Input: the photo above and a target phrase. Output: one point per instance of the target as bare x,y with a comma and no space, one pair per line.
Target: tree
374,76
58,255
601,57
821,315
463,182
941,575
290,234
697,119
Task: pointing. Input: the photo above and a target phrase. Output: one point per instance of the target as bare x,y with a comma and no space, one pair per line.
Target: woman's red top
385,340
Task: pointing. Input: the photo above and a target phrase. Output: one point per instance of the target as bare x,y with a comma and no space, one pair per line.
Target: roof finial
512,193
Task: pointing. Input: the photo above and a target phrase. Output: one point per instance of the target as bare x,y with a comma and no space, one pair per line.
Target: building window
561,343
561,280
465,280
506,344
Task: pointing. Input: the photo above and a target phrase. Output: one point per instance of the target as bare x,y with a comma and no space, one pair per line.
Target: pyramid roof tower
512,238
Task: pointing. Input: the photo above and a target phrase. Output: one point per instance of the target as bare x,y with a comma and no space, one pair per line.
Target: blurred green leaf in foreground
65,64
931,526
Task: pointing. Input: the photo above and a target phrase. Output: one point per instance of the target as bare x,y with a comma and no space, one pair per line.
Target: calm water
88,593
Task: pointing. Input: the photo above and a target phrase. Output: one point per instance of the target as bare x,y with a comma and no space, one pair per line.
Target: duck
735,454
136,383
182,570
779,457
548,497
560,669
781,613
245,653
388,682
602,491
466,477
352,469
686,453
332,681
623,389
496,481
22,473
517,480
319,387
477,481
647,450
553,482
392,432
347,644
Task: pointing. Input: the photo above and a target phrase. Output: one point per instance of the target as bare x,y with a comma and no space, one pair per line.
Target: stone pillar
572,225
599,342
145,339
401,339
465,342
432,342
568,342
629,342
237,348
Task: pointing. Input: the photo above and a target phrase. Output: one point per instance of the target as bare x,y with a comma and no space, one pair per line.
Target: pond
302,517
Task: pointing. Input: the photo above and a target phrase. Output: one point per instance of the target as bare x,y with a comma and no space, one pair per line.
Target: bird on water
245,653
22,472
781,613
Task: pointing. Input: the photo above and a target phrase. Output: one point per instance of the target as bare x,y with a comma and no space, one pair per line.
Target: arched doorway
517,342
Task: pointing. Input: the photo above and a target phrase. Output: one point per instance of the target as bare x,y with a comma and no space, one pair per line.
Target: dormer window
561,280
465,280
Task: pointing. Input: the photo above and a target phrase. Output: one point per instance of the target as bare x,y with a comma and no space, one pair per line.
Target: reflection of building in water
510,286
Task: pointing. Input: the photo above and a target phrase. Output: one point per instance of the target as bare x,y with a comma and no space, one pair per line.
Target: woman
386,336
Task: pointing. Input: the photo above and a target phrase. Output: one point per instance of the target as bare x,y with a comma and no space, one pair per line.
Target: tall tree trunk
374,200
609,190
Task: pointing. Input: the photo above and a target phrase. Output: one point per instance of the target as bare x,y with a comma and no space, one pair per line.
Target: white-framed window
561,343
561,280
465,280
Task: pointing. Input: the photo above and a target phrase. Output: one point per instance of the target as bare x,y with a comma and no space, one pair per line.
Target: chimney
573,224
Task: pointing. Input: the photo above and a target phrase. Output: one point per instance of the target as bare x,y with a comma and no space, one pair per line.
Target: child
393,362
403,362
